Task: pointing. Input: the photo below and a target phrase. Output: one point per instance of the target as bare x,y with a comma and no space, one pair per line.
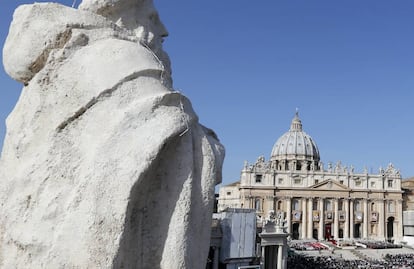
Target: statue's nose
164,31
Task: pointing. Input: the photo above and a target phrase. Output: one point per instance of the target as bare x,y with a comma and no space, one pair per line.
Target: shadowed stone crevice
40,62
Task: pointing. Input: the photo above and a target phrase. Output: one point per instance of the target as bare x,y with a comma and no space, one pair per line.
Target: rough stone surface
104,165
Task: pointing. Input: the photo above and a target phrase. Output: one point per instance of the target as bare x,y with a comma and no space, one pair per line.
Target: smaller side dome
295,149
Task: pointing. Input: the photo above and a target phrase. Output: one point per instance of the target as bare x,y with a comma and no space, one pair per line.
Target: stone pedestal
274,245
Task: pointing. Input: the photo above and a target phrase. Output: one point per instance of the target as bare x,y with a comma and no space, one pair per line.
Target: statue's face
146,23
147,26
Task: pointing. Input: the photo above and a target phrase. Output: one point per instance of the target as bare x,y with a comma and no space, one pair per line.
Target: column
381,220
365,227
304,222
263,260
336,219
310,218
289,214
280,257
321,220
351,219
346,208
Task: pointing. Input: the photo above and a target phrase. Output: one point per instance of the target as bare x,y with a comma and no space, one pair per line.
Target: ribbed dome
296,145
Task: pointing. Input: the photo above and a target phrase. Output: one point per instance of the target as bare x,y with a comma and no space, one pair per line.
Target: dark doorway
315,234
357,230
341,233
390,228
295,231
328,231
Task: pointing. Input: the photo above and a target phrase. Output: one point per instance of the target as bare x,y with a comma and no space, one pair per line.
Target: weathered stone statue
104,165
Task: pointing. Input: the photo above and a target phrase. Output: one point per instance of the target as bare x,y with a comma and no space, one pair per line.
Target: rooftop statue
104,165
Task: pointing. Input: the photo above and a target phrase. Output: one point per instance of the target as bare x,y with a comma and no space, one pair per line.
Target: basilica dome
295,150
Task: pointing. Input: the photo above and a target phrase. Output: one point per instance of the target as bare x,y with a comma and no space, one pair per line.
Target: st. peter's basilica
331,202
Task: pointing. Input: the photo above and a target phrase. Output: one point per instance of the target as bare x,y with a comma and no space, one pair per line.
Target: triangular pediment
330,185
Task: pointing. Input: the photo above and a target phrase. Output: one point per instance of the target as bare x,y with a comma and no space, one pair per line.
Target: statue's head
138,16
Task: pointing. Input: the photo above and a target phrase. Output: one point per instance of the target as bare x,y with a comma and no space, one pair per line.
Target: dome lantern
296,125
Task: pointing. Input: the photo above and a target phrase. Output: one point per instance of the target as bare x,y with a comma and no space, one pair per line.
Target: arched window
279,205
258,204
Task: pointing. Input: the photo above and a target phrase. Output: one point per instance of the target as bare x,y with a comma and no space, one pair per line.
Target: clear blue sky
247,65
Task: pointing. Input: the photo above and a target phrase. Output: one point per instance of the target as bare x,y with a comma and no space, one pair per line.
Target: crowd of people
399,261
314,245
307,246
379,244
404,260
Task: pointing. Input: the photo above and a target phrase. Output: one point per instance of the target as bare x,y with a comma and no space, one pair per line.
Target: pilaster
399,221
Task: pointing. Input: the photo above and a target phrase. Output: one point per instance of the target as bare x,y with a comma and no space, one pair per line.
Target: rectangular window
315,205
340,205
296,204
341,182
280,180
297,181
358,182
258,178
316,181
357,205
328,205
390,183
229,193
372,183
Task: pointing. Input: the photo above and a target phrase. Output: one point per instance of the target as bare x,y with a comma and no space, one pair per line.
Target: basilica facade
332,202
